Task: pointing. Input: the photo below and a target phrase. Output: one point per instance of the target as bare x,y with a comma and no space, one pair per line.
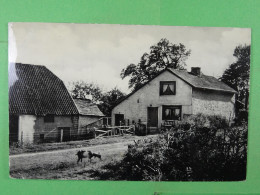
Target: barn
41,108
173,95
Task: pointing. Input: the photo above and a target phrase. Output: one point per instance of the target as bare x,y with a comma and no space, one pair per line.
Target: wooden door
152,116
119,118
64,134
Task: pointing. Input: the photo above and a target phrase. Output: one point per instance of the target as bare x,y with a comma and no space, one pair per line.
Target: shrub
208,151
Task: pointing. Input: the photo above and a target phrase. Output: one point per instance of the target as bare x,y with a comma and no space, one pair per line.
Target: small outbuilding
88,113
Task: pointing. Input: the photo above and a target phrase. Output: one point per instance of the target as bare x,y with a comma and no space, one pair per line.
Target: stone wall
135,106
213,103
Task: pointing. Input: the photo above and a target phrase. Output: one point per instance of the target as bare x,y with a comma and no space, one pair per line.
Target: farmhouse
41,108
173,95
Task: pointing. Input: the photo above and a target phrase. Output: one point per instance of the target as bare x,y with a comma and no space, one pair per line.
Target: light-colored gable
135,106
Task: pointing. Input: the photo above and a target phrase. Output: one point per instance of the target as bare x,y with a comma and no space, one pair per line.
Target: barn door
13,128
64,134
119,118
152,116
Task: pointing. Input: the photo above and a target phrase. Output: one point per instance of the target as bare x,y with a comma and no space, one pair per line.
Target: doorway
13,128
64,134
152,117
119,119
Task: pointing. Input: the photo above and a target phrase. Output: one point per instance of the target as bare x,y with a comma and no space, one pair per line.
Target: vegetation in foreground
203,148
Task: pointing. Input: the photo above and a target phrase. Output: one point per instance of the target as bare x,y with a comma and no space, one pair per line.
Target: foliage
109,100
237,75
162,55
105,100
209,151
81,89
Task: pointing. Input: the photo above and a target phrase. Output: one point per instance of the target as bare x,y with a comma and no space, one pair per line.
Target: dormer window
167,88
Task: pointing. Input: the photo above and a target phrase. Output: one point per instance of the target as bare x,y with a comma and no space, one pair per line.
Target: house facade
41,108
173,95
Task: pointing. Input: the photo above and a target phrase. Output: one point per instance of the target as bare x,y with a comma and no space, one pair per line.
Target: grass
62,164
67,168
29,148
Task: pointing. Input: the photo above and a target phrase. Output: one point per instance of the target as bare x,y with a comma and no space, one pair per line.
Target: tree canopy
162,55
237,74
81,89
109,100
105,100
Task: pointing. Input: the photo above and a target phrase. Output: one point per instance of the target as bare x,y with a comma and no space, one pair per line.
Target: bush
208,151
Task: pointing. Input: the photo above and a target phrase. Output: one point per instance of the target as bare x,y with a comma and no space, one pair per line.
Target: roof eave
221,90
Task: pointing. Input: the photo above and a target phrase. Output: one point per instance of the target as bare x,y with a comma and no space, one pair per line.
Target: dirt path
91,148
40,159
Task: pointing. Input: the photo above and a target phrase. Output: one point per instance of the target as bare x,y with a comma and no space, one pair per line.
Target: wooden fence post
61,135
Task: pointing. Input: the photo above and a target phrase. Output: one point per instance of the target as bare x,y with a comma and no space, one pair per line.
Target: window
49,119
171,113
167,88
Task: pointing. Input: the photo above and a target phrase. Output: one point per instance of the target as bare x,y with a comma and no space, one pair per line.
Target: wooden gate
116,130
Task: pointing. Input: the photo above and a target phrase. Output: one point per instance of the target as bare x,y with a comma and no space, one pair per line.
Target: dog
81,155
90,155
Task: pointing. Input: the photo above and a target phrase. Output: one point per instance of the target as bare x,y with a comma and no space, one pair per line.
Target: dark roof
38,91
85,107
199,82
202,81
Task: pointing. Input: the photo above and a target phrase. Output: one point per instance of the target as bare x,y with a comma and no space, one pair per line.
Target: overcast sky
98,52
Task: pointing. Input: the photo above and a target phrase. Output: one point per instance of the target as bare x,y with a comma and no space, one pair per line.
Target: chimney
195,71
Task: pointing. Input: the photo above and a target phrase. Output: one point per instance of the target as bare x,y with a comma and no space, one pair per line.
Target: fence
111,131
99,128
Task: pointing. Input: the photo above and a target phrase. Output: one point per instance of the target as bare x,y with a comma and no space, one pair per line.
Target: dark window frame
49,118
162,83
172,107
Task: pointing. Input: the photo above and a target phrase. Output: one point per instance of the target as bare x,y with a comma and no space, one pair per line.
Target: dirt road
41,159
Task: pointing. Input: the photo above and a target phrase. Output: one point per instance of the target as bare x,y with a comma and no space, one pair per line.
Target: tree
81,89
237,74
109,100
106,101
162,55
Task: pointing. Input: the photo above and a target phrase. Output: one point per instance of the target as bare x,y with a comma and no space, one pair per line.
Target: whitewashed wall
135,106
26,128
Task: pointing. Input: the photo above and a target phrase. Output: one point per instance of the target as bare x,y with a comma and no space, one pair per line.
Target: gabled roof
199,82
202,81
85,107
38,91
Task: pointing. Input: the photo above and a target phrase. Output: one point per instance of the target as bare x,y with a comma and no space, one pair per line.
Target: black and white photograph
128,102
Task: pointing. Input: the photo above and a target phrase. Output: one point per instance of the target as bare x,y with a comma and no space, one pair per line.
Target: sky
97,53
